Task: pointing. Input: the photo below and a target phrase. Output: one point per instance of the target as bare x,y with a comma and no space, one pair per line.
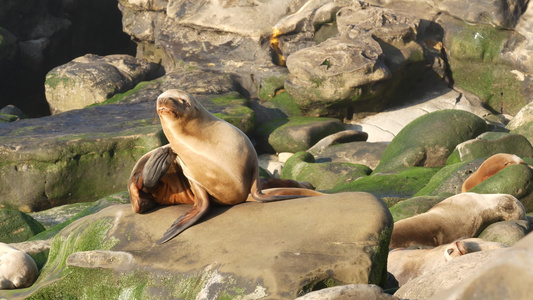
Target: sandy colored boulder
278,250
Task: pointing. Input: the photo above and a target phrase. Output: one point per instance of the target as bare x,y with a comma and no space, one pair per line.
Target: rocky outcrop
47,34
93,79
279,251
18,226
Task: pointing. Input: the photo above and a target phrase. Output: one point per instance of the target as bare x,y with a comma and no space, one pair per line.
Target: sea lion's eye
450,251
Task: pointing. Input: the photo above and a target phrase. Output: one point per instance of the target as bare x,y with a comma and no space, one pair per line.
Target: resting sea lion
407,264
207,159
462,215
489,167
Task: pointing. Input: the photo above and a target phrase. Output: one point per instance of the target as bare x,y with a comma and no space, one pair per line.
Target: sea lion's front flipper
157,165
201,204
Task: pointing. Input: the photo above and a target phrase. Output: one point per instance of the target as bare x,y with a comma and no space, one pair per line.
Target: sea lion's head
176,105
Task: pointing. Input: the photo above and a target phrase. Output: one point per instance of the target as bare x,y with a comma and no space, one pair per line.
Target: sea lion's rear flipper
289,189
157,165
200,207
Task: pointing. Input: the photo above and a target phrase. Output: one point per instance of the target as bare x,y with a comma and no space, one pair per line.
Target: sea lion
406,264
489,167
207,159
17,269
462,215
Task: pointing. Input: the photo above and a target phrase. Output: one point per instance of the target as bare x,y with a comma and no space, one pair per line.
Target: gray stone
363,153
338,138
506,232
525,115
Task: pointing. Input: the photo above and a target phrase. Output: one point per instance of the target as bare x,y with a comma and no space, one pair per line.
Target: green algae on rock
429,140
413,206
17,226
484,148
323,176
401,185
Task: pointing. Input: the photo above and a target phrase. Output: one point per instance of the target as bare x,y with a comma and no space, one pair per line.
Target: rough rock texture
93,79
413,206
525,115
429,140
282,249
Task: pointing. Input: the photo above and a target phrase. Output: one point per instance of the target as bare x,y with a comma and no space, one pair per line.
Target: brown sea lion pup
207,159
462,215
407,264
489,167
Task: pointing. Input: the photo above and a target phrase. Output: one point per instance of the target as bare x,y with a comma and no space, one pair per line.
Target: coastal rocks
323,176
372,44
363,153
77,156
485,147
507,232
524,116
295,134
93,79
17,226
429,140
17,270
280,250
476,55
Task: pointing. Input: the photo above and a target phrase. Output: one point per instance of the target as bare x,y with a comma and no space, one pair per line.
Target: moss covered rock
429,140
477,64
506,232
17,226
400,185
449,180
414,206
323,176
516,180
486,147
525,130
77,156
112,254
295,134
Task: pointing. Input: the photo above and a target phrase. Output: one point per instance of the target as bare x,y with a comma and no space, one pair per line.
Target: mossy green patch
476,65
128,94
525,130
483,148
232,108
413,206
270,86
436,185
429,140
122,197
6,118
17,226
286,104
400,185
323,176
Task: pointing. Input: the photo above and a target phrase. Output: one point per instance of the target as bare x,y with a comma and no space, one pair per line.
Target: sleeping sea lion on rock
407,264
462,215
207,159
489,167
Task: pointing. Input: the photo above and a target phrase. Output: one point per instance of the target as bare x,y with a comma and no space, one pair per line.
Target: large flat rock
276,250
